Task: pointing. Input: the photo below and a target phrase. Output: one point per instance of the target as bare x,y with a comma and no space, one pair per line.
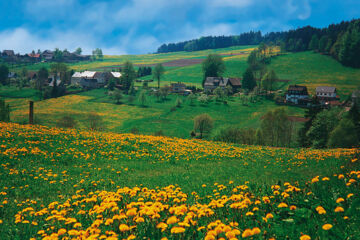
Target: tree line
341,41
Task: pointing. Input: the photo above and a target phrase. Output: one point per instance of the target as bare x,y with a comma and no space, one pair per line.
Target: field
70,184
156,116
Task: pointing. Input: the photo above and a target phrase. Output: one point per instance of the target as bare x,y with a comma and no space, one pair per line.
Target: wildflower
339,200
305,237
320,210
339,209
327,226
172,220
124,227
246,233
282,205
177,230
269,215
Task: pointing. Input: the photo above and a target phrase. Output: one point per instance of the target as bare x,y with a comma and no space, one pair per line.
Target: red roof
34,55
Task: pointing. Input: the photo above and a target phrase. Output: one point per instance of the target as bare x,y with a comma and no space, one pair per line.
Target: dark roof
235,82
325,89
9,52
216,81
31,74
297,88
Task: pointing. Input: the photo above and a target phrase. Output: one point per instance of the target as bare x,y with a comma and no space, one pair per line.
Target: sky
141,26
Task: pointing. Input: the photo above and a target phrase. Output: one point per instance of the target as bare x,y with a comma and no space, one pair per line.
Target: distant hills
341,41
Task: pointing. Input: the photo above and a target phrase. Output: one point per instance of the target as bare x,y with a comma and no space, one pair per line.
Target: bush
178,102
134,130
4,111
344,135
66,122
95,122
203,123
235,135
159,133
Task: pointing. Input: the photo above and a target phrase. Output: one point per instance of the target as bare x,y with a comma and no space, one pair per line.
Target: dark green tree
343,136
213,66
128,75
4,72
42,77
314,43
248,81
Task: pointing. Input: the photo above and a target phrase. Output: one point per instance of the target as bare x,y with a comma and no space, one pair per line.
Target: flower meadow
71,184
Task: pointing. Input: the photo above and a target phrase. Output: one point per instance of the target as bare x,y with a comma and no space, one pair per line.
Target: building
91,79
51,80
115,74
235,83
326,94
177,87
297,94
48,55
213,82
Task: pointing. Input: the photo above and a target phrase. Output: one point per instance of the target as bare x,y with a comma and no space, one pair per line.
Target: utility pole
31,112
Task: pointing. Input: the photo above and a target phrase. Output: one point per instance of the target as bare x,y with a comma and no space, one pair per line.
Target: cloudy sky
140,26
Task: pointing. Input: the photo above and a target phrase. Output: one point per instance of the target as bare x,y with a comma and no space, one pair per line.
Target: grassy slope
156,116
313,69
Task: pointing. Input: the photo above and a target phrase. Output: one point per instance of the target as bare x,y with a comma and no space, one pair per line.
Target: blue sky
140,26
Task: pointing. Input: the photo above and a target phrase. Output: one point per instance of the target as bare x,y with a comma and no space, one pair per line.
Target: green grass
313,69
156,116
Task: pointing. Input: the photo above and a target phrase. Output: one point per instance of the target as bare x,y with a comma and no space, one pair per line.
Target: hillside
69,183
156,116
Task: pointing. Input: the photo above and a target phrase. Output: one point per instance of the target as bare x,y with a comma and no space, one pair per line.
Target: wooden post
31,112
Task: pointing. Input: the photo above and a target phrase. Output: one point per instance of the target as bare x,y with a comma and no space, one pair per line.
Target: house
177,87
8,53
297,94
213,82
326,94
34,57
48,55
31,75
90,79
76,78
235,83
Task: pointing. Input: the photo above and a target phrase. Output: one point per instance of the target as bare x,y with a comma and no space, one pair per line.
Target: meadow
156,116
71,184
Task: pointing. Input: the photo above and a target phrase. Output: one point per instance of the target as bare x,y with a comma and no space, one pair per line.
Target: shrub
4,111
235,135
203,123
95,122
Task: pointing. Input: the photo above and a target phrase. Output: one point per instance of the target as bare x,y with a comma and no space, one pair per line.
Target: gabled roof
88,74
325,89
77,74
34,55
47,52
235,81
116,74
216,81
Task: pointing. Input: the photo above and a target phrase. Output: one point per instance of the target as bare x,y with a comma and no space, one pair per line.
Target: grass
313,69
156,116
64,183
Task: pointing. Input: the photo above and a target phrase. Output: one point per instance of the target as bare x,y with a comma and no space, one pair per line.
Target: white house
326,94
95,78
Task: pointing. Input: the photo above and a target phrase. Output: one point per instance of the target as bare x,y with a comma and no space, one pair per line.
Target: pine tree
248,81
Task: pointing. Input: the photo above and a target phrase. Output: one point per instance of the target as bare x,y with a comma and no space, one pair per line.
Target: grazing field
156,116
313,69
71,184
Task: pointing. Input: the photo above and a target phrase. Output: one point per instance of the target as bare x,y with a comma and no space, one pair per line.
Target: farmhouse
213,82
48,55
326,94
115,74
297,94
91,79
